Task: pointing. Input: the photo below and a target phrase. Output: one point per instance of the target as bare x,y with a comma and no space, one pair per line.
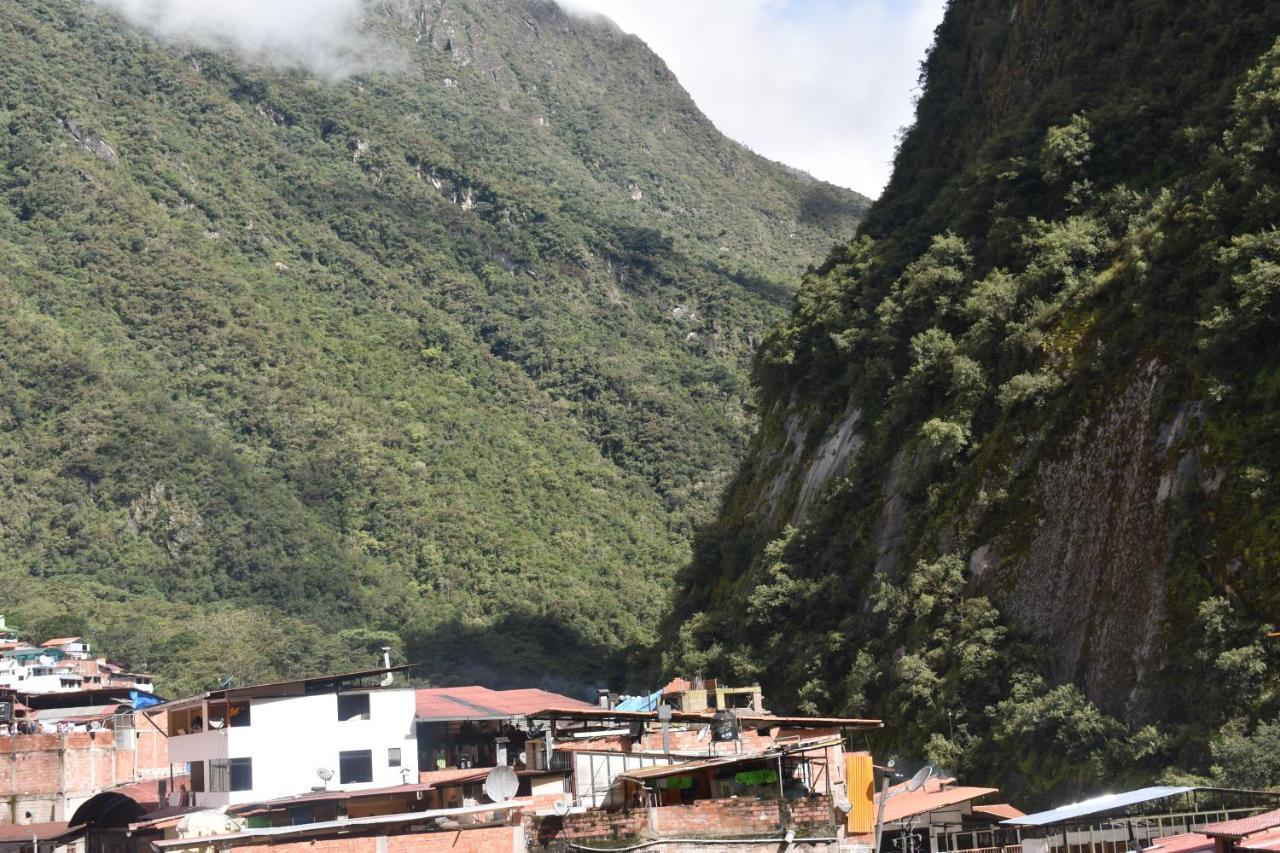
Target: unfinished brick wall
489,839
547,831
728,818
50,775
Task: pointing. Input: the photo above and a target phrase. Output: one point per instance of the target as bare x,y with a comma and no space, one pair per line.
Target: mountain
1013,486
449,354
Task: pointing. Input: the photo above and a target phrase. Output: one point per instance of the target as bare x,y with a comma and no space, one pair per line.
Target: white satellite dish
562,807
842,803
325,774
918,780
501,784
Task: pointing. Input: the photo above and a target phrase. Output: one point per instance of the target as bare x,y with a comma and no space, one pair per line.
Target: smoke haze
324,37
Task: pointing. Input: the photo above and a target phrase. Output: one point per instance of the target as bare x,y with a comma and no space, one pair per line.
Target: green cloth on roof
756,777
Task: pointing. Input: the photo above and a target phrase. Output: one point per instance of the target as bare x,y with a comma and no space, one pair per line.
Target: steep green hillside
1014,486
450,355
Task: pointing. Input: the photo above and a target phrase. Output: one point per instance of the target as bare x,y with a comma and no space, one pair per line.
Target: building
72,647
1114,823
61,664
1259,832
603,748
700,694
246,744
86,748
943,816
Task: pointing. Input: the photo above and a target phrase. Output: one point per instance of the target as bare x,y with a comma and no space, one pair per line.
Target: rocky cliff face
1036,374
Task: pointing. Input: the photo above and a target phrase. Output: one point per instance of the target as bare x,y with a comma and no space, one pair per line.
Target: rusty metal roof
911,803
481,703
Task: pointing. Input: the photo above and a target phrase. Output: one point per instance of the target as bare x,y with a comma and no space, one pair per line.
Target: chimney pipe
602,698
386,662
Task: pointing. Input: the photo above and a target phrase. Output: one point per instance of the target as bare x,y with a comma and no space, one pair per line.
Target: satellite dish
324,773
562,807
842,803
501,783
918,780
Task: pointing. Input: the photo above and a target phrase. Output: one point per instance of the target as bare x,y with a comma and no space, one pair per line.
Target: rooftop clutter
362,763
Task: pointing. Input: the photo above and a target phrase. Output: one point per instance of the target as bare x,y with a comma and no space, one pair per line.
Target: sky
822,85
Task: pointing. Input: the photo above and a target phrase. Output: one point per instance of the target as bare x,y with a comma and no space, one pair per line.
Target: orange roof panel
909,804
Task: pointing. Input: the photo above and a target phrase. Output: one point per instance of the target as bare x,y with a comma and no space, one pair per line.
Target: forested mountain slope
449,354
1015,481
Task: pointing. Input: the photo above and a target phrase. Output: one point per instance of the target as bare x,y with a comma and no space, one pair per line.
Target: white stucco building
247,744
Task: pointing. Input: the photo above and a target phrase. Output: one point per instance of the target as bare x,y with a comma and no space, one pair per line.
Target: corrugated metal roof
1241,827
1098,805
331,826
661,771
292,687
913,803
481,703
22,832
85,712
999,811
759,721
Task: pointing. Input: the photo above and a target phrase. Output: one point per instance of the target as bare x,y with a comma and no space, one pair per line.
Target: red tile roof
1191,842
479,703
1244,826
1266,841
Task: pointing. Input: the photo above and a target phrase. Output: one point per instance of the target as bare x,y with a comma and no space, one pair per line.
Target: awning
1098,806
662,771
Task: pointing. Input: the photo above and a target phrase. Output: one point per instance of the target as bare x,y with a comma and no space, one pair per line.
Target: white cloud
823,85
324,37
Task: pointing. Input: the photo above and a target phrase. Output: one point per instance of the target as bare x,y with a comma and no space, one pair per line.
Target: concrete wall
289,738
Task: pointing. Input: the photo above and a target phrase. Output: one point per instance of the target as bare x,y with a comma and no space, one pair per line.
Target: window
239,715
353,706
219,775
393,756
355,766
231,774
242,774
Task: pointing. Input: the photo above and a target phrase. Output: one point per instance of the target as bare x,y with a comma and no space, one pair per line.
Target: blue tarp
640,703
141,699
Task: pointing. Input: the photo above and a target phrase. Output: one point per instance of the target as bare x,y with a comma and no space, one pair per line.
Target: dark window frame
355,766
240,774
353,706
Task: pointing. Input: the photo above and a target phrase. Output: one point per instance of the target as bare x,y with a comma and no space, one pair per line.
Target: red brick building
45,777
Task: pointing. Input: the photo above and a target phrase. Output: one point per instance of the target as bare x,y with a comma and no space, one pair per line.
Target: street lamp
916,783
